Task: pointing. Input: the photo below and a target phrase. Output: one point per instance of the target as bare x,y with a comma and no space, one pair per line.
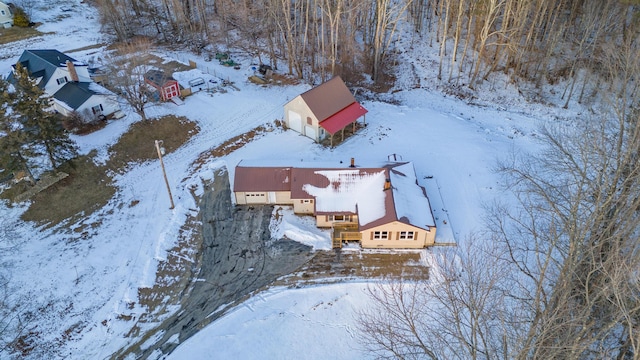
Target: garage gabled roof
328,98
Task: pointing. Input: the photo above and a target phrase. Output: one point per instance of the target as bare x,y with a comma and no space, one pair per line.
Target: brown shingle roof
328,98
262,179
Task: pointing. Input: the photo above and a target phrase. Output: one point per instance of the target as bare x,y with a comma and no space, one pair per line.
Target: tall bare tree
126,68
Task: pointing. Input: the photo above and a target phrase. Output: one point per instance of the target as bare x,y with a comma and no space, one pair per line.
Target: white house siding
109,104
62,108
6,19
421,237
52,86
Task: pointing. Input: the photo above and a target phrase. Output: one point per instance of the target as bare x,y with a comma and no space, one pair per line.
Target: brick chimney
387,184
353,163
72,71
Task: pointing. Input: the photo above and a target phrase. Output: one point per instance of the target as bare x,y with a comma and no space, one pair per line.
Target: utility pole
166,181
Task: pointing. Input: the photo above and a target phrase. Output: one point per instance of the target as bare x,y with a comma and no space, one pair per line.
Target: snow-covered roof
346,190
357,191
410,199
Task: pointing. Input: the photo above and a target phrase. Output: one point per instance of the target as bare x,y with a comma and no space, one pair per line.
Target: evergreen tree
14,140
44,128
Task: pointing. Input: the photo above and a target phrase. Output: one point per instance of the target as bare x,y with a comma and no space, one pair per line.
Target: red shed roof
344,117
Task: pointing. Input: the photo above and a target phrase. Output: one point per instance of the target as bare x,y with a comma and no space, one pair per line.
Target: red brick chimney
353,163
72,71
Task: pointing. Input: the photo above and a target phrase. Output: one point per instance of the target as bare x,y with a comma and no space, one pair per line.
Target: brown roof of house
328,98
302,176
405,201
262,179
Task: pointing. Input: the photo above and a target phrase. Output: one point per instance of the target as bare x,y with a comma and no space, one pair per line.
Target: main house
323,111
6,18
67,81
382,207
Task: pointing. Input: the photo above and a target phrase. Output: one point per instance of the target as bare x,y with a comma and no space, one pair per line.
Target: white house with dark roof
68,82
323,111
381,207
6,18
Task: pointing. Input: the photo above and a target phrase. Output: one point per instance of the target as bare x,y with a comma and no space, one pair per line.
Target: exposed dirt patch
89,187
17,33
88,47
86,189
137,144
344,265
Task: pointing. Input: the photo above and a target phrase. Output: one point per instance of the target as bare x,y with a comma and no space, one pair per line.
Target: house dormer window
62,80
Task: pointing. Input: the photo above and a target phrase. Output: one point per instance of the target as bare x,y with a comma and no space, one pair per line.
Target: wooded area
538,41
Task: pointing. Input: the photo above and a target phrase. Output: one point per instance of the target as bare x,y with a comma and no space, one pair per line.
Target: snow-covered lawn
82,289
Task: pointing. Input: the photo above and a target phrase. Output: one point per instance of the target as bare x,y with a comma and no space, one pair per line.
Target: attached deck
344,232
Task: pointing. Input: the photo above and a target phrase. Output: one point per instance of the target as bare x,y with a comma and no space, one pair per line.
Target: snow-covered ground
82,288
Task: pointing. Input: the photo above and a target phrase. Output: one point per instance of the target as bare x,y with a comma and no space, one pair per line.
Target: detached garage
323,111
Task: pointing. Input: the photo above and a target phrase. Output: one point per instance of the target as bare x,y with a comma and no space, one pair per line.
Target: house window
406,235
62,80
338,218
309,121
306,201
380,235
97,109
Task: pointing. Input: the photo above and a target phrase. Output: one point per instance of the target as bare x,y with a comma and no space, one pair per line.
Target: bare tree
456,314
126,68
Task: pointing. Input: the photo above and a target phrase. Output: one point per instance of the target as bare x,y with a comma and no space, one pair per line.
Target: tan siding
302,207
322,220
422,238
283,198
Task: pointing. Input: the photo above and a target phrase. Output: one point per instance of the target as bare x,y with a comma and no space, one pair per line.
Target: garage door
295,121
310,132
256,198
